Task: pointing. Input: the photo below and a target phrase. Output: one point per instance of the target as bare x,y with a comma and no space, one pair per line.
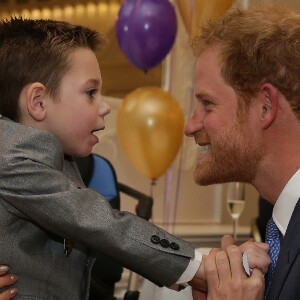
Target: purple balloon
146,31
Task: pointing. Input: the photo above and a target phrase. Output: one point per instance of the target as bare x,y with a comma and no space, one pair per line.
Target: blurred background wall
177,199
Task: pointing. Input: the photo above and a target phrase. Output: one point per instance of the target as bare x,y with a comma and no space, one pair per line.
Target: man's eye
207,104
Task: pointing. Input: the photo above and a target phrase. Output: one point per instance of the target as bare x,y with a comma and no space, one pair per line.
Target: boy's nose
104,109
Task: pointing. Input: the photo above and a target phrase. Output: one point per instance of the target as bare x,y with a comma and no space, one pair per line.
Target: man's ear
268,104
36,96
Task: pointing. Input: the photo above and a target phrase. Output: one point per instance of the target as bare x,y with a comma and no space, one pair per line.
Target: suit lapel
289,249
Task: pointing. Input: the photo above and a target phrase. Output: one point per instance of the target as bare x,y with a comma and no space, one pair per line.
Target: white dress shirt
286,203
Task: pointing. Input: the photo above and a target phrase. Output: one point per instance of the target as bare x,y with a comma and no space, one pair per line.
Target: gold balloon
150,129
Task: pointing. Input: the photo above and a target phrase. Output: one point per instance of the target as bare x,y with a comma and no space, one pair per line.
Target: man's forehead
211,54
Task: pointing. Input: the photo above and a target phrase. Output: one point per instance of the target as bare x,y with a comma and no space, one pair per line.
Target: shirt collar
286,203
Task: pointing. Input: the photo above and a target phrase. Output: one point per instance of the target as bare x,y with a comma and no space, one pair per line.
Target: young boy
51,107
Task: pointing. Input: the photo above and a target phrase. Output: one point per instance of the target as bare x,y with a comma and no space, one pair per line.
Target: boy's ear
36,96
268,104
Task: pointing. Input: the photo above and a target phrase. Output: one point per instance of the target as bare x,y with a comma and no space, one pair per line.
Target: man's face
229,152
80,109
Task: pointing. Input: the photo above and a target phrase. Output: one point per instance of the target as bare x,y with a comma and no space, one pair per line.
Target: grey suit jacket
286,279
43,200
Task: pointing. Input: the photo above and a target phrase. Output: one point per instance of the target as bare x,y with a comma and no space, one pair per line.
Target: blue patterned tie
273,239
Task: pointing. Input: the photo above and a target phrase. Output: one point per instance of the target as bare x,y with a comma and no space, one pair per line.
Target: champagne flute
235,203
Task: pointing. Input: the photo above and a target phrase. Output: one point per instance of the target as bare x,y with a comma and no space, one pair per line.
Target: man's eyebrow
201,95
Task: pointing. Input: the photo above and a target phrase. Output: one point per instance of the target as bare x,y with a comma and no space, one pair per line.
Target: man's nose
194,124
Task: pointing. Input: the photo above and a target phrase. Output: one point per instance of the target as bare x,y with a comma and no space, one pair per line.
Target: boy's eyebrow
93,81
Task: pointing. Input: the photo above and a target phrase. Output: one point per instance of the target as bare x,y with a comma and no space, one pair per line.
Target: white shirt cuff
191,269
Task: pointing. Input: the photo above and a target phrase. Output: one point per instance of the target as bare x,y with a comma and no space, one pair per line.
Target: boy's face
80,109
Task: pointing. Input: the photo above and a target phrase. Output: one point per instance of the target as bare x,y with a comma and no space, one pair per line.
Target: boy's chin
80,153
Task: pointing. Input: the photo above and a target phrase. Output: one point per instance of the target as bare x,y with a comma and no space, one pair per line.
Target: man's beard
232,157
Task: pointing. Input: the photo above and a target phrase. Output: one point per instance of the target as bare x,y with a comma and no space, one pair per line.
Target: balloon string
177,189
167,85
152,184
181,155
167,196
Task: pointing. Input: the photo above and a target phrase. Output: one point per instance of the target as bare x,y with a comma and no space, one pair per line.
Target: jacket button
155,239
174,246
165,243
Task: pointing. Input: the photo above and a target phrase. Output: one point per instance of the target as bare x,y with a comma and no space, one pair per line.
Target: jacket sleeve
33,185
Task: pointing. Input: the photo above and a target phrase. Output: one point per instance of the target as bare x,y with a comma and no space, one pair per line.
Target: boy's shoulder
17,138
16,131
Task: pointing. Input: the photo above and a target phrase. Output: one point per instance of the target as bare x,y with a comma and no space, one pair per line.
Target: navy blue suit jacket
286,281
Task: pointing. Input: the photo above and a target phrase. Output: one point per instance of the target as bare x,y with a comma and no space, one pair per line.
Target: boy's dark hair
37,51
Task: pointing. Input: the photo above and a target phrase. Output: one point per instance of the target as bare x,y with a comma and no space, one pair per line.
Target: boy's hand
257,252
5,281
198,295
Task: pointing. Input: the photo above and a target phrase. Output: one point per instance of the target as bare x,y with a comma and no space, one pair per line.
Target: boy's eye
91,92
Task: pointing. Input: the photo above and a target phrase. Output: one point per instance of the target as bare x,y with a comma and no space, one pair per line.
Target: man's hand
226,277
258,258
5,281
